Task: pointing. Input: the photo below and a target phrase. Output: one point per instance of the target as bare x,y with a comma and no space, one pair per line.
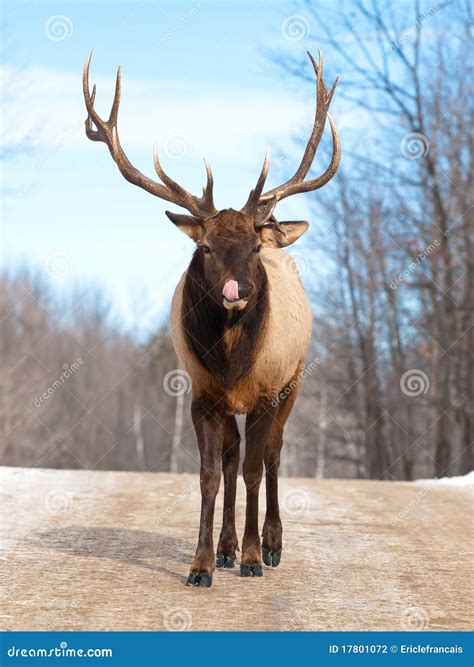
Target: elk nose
245,290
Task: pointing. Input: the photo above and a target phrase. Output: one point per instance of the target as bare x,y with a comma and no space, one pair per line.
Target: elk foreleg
209,427
228,543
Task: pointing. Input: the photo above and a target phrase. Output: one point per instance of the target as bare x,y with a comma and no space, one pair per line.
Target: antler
296,184
255,194
201,207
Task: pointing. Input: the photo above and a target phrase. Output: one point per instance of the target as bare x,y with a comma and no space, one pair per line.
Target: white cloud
44,107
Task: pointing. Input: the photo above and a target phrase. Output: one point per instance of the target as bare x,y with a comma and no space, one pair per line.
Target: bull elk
241,326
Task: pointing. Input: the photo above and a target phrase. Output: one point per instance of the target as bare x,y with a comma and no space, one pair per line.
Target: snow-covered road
110,551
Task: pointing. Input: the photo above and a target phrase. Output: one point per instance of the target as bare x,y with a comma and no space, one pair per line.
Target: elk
241,326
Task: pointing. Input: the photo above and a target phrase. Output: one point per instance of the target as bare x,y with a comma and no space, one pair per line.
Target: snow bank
464,481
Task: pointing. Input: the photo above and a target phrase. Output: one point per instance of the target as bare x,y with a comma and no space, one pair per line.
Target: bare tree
399,227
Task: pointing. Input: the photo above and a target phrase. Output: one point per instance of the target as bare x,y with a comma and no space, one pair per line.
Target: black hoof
224,561
204,579
271,558
251,571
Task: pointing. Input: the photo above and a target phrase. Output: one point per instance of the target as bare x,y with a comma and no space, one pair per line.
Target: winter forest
388,264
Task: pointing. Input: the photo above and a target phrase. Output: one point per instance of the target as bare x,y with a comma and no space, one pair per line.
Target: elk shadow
135,547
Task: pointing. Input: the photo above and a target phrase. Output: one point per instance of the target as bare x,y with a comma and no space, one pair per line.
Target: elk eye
257,248
206,249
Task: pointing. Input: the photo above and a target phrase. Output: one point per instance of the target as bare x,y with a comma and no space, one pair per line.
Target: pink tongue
231,290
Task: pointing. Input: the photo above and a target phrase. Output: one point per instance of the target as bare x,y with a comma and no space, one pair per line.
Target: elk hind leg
257,429
272,528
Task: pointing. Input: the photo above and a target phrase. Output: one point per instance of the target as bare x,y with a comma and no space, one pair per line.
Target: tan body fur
281,350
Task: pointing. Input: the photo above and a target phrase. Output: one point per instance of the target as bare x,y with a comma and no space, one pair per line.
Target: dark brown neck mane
206,323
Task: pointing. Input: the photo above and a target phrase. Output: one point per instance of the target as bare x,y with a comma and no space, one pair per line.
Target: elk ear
282,234
187,223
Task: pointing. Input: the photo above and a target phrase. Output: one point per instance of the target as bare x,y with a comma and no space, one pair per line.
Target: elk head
228,241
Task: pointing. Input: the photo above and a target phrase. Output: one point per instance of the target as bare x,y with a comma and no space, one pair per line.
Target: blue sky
196,79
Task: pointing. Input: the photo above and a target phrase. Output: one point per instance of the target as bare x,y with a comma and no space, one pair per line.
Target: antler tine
90,132
172,185
319,120
330,172
331,92
208,190
85,84
116,102
161,172
255,194
92,115
297,183
317,66
107,133
199,206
